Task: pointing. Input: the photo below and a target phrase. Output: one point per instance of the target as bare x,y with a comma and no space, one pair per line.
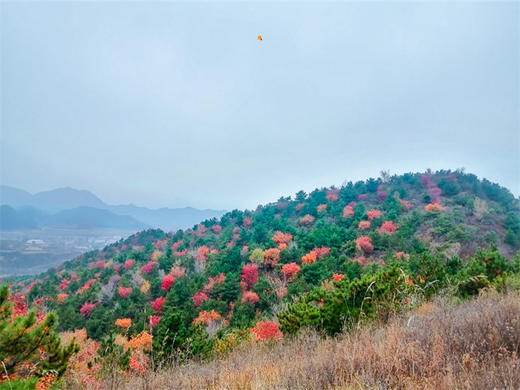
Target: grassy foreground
441,345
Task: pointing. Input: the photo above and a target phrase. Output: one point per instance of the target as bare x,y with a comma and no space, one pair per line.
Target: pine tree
23,340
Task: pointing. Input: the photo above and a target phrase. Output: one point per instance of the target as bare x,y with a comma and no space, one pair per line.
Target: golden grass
473,345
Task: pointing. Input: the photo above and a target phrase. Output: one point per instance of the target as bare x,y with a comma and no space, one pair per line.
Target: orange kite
259,37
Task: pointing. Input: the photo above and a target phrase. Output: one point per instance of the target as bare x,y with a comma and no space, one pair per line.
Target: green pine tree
21,340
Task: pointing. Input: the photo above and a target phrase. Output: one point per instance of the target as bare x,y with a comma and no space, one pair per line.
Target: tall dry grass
473,345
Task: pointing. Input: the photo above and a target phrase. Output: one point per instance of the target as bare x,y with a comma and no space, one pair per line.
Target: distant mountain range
71,208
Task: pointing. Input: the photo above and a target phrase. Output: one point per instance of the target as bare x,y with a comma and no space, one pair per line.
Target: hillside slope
229,273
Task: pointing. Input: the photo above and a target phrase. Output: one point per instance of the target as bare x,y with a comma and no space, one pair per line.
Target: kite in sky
259,37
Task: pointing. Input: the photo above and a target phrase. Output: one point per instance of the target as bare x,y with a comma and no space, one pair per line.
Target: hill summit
249,265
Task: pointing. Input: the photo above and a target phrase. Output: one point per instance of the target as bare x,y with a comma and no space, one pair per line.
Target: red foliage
247,221
117,267
199,298
205,317
250,274
388,227
299,206
290,270
407,205
86,309
322,252
97,264
155,255
332,195
129,263
310,257
307,220
401,255
167,282
124,292
364,225
202,254
62,297
321,208
74,277
148,267
265,330
178,272
371,214
176,245
271,256
251,297
217,229
180,253
64,284
86,286
348,211
160,244
214,280
338,277
157,304
362,197
201,231
154,320
382,195
434,207
364,243
282,238
426,180
19,305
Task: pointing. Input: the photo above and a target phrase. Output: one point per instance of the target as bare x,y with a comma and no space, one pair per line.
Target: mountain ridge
52,202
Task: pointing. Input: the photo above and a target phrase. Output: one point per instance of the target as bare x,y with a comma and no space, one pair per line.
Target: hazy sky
172,104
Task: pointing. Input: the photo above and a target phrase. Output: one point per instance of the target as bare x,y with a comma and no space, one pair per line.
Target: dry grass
474,345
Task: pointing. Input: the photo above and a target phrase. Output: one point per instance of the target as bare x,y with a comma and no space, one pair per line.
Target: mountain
50,201
92,218
166,218
14,196
309,260
63,199
12,219
66,198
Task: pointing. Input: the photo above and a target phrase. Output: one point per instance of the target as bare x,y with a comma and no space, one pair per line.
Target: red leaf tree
290,270
124,292
199,298
364,243
157,304
167,282
250,297
265,330
250,274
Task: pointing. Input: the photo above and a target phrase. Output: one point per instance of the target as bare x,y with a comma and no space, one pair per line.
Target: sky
168,104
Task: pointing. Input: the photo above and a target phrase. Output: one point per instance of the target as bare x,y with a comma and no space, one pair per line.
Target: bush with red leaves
167,282
86,309
199,298
364,243
250,297
157,304
265,330
371,214
124,292
290,270
148,267
307,220
271,256
388,227
250,274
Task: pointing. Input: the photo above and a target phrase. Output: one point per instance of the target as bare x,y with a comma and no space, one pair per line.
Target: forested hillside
310,260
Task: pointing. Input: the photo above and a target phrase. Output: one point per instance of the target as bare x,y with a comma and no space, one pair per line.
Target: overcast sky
174,104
